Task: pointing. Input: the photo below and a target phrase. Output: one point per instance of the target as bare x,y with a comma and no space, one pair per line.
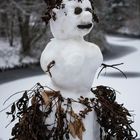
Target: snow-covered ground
129,88
10,57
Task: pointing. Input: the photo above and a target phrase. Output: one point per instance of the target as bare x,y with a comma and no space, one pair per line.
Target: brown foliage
32,124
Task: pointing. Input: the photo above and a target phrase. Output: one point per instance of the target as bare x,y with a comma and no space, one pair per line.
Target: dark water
115,52
11,75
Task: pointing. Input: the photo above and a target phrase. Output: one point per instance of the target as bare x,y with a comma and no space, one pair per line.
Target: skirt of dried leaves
36,105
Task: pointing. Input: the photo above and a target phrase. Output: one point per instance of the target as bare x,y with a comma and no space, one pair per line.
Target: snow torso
76,62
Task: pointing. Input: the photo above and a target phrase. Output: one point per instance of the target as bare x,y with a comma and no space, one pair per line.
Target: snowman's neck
77,39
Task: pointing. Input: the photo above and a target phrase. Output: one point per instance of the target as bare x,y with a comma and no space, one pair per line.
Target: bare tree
22,20
7,21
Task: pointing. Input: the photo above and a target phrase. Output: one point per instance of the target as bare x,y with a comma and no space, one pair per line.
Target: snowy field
129,88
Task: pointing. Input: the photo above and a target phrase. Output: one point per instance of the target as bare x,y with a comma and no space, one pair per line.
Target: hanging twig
114,118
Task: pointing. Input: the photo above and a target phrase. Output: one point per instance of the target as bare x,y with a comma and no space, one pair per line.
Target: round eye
78,10
89,9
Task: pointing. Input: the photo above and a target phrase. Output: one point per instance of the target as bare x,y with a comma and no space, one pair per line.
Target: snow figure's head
72,19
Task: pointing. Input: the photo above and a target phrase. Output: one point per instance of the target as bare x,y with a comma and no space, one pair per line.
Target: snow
65,25
72,59
69,50
11,56
129,88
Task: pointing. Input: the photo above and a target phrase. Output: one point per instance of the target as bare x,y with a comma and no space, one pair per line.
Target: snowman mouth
85,26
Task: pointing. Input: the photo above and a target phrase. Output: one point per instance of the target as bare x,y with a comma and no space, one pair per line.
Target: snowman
71,62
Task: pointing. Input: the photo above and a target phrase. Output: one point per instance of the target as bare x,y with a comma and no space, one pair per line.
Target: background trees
20,21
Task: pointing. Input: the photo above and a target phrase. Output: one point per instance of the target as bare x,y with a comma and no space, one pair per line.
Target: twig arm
114,66
49,66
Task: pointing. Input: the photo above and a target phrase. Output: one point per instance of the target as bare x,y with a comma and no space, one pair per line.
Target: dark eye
89,9
78,10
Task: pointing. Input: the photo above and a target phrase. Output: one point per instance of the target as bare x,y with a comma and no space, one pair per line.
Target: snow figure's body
75,60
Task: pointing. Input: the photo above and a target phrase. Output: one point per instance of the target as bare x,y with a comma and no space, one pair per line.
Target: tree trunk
24,33
11,31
